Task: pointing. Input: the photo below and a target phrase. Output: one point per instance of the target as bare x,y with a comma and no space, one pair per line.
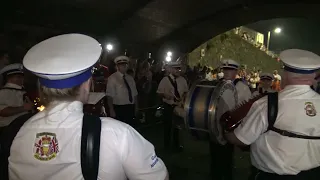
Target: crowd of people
62,142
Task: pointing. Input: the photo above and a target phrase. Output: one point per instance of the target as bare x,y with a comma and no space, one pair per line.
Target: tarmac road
193,163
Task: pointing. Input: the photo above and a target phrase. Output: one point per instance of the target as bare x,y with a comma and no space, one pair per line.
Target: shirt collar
172,76
65,105
61,110
307,87
120,74
11,85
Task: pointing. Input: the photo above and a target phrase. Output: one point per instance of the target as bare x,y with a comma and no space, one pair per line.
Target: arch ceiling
144,25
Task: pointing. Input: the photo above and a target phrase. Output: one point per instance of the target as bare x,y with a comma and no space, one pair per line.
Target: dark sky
296,33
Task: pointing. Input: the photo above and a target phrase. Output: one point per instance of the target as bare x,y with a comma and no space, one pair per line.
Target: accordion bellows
231,119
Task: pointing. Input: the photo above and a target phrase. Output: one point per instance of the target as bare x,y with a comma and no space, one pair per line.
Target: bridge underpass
139,26
146,26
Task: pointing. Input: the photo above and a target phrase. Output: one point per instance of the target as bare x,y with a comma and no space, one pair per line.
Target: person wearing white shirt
122,92
172,89
289,147
220,74
209,76
12,100
230,70
48,145
265,84
222,155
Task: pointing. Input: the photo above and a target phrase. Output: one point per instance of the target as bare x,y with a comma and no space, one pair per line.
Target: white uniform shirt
209,76
10,98
123,151
220,75
165,87
277,77
243,90
117,89
254,81
256,93
274,153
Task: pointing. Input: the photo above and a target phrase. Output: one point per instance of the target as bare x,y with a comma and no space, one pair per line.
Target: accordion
231,119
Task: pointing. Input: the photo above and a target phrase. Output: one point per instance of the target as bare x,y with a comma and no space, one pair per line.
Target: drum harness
272,116
175,86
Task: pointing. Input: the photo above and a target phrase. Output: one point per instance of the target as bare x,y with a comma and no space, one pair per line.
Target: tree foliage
231,46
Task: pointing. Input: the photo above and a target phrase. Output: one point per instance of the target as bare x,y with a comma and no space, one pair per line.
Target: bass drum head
223,99
196,109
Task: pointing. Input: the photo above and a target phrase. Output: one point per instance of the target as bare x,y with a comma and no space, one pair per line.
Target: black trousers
171,133
221,161
125,113
312,174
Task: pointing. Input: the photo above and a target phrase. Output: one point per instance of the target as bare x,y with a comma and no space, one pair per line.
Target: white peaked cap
16,68
266,76
63,61
174,64
300,61
229,63
121,59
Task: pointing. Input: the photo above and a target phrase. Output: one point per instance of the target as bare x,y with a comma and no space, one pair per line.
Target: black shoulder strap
171,81
272,116
175,86
272,109
6,139
90,147
9,88
235,82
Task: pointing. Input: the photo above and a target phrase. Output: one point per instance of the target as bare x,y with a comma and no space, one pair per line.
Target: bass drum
204,106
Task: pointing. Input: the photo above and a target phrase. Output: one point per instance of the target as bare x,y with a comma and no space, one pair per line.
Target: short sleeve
134,88
185,85
161,86
139,158
244,93
254,124
4,98
110,87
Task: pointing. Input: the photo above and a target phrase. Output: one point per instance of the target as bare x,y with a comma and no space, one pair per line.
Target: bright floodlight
277,30
109,47
169,53
168,58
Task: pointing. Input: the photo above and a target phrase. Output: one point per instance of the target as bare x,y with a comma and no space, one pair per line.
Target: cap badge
46,146
310,109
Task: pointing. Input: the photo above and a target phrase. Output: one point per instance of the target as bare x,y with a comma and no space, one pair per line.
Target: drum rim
186,105
188,101
213,103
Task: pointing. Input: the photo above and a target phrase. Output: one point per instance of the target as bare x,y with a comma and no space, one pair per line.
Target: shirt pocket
120,89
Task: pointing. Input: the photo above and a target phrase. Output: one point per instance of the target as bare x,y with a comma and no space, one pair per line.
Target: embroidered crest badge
310,109
46,146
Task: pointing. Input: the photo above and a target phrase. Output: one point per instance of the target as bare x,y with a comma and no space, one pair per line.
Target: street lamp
277,31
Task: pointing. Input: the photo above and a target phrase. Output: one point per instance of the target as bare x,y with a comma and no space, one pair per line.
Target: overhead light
109,47
277,30
168,58
169,53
